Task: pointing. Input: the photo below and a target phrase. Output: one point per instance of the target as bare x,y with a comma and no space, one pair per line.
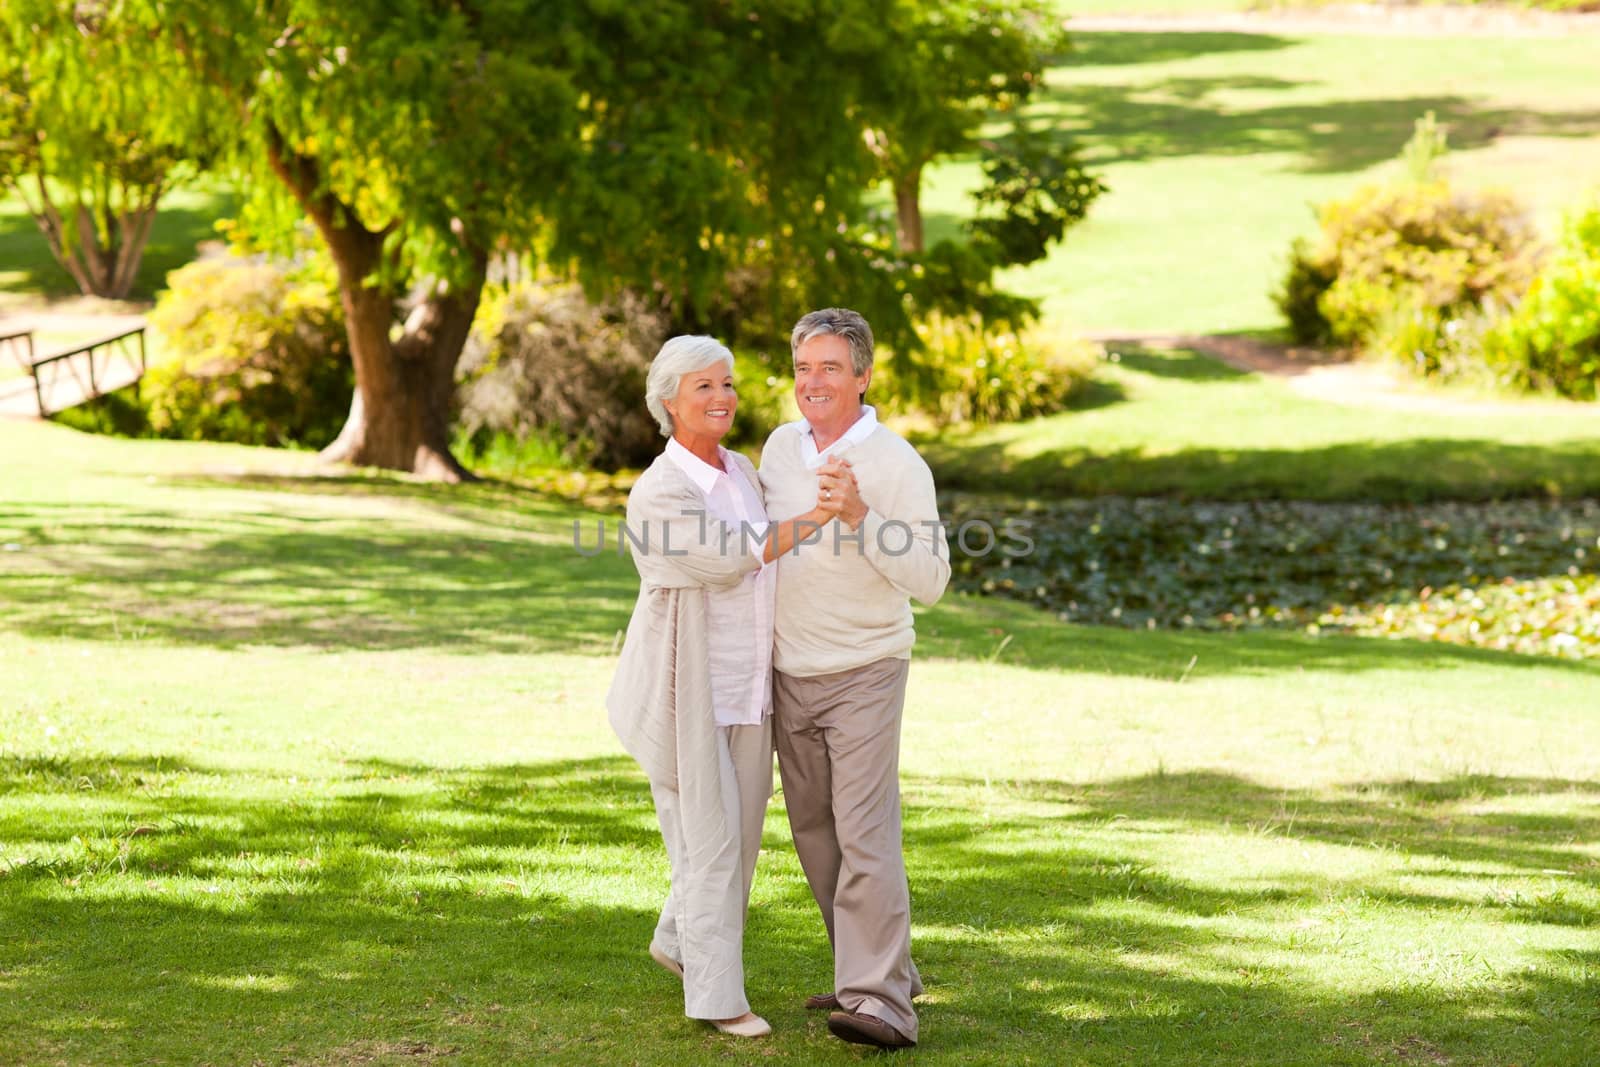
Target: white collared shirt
859,431
740,618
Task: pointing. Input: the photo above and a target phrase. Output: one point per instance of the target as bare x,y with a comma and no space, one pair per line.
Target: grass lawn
314,771
1162,421
1216,145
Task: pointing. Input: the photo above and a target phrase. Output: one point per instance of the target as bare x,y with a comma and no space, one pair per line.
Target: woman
691,699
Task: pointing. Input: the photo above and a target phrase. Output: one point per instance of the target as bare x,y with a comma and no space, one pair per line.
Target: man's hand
838,495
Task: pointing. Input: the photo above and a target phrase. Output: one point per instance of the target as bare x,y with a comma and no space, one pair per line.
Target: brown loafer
822,1002
861,1029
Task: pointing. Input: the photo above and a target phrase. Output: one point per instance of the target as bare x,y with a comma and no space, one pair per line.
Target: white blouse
739,617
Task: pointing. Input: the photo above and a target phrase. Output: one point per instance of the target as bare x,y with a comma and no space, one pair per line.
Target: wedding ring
827,494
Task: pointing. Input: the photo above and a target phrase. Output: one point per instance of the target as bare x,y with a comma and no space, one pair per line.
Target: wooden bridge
65,379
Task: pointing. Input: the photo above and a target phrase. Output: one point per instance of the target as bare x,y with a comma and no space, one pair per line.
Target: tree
412,135
646,145
944,67
80,144
707,154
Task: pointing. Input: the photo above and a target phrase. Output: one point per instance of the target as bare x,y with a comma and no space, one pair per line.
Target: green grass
1216,145
312,770
1175,422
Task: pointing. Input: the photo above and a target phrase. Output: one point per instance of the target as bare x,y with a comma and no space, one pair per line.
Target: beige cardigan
660,699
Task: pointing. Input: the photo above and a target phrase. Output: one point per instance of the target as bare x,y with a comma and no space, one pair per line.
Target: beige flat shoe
747,1025
659,954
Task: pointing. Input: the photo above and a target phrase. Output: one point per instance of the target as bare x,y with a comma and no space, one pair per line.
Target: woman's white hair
679,356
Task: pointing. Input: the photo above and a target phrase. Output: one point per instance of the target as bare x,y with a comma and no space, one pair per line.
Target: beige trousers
702,922
838,742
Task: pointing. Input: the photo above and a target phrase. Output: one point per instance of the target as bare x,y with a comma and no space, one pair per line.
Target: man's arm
906,545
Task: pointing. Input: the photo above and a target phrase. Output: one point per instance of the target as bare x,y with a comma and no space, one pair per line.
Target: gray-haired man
843,640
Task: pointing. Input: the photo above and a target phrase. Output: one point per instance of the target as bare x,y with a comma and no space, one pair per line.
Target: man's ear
865,384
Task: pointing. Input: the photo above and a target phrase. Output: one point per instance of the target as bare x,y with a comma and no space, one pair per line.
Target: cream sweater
844,598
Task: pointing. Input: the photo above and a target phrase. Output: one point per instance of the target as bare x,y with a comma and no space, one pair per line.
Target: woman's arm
784,536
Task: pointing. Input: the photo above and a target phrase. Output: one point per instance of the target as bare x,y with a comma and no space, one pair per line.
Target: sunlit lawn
1216,146
299,770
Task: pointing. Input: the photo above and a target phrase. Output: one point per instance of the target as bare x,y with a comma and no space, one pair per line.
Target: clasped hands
838,496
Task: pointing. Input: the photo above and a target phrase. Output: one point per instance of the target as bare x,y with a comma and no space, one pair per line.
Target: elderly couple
774,610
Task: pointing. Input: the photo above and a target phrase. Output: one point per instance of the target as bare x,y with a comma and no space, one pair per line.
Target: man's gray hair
840,322
679,356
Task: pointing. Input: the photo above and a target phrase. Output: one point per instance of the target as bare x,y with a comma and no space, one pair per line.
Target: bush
1419,246
1552,339
1432,343
545,365
261,355
968,374
766,400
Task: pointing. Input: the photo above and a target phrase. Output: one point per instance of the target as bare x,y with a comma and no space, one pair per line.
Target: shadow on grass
972,628
499,914
1458,469
1110,49
454,576
1180,117
491,568
1182,365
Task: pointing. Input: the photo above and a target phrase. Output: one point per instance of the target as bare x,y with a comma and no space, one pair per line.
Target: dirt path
1380,20
1313,373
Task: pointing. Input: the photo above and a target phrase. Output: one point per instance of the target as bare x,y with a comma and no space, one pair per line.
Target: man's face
826,386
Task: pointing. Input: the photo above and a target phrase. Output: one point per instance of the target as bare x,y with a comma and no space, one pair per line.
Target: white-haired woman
691,700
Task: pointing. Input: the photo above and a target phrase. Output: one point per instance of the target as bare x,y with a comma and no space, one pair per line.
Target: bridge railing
90,371
19,345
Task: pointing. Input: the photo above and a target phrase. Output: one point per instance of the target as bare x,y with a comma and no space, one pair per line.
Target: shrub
261,355
766,400
1433,343
968,374
1552,339
1418,245
544,364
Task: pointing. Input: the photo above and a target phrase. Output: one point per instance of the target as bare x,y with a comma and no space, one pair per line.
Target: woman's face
705,403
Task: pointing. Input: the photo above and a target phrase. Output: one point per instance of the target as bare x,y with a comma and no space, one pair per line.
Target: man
843,637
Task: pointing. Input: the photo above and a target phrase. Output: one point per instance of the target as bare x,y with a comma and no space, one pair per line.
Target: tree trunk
400,414
908,209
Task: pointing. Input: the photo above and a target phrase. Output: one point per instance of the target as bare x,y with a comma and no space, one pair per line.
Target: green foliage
116,414
1034,191
1551,340
944,67
967,372
1424,152
1159,563
437,130
663,148
1306,279
1430,342
260,355
98,122
547,368
1388,247
766,400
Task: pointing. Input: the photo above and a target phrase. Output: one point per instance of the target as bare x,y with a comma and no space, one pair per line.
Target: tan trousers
702,921
838,742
